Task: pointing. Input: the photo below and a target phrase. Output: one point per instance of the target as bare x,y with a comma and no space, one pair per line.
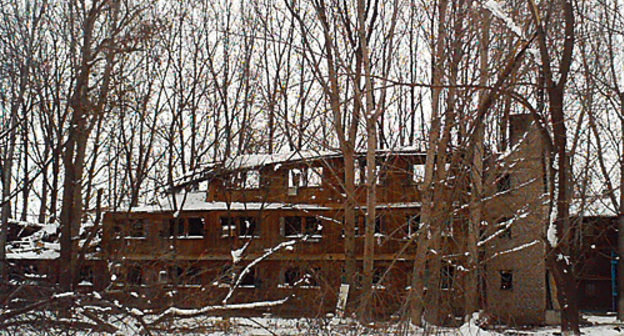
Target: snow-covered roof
195,201
34,246
250,161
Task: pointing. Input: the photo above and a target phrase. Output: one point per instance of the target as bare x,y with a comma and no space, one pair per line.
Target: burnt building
272,226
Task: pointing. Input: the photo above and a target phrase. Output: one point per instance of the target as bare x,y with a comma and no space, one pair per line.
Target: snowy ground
270,326
600,326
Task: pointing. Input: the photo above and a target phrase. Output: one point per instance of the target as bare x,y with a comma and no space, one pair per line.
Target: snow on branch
174,311
495,8
515,249
254,263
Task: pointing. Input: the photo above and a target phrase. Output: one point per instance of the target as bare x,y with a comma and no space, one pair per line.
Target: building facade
271,226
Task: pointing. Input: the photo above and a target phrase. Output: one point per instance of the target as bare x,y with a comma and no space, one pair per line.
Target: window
295,277
228,227
291,277
418,173
380,175
135,276
247,227
179,229
313,226
86,275
137,229
117,230
504,224
163,277
379,225
252,179
359,222
361,173
296,178
176,227
412,224
315,176
195,227
192,276
506,280
447,272
297,226
249,179
447,228
292,226
503,183
378,274
250,279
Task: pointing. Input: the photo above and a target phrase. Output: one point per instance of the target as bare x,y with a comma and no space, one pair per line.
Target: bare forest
108,105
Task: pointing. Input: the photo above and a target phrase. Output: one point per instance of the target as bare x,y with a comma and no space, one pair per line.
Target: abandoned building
280,218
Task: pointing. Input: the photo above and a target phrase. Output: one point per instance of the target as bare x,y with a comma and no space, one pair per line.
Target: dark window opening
292,276
504,224
312,225
379,225
412,225
447,272
137,229
228,227
247,227
193,276
196,226
250,280
447,228
86,274
292,226
358,223
135,276
117,231
377,276
503,183
226,276
506,280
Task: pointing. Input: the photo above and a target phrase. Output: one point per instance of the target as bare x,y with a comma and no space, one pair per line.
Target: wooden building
272,226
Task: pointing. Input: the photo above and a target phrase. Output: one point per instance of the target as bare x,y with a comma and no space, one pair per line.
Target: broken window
292,226
192,276
163,277
135,276
192,227
228,227
506,280
315,176
378,277
195,227
447,228
359,223
137,229
418,173
86,275
297,226
252,179
504,224
296,178
447,273
247,227
250,279
503,183
291,276
412,224
313,226
379,225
